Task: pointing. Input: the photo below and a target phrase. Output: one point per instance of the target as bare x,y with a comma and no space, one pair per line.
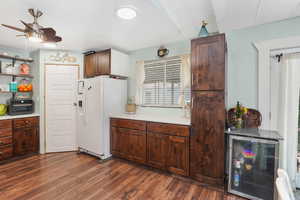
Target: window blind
163,80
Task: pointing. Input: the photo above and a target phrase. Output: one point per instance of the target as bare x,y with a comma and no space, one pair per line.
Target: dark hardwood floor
76,177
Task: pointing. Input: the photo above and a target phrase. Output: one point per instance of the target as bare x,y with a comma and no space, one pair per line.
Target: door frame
44,95
264,49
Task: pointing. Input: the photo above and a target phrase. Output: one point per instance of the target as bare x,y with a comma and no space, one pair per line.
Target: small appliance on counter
20,106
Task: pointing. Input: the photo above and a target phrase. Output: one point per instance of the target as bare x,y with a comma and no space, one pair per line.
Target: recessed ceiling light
127,13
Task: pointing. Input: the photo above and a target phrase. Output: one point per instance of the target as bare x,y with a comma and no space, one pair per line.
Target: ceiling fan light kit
34,37
37,33
49,44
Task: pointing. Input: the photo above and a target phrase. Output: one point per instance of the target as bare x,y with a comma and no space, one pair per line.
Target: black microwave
20,107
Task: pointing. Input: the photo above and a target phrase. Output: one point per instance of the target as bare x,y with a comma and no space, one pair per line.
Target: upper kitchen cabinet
119,63
208,63
89,65
107,62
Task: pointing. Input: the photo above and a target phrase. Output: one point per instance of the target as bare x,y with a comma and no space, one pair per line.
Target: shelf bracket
14,62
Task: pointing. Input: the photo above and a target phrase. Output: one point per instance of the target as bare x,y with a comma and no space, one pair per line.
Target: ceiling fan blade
35,13
14,28
21,35
27,25
31,11
57,39
39,13
49,32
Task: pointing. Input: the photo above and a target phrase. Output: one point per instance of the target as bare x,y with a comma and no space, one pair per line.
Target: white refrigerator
99,98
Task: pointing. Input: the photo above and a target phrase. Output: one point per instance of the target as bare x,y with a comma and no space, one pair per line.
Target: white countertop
18,116
155,118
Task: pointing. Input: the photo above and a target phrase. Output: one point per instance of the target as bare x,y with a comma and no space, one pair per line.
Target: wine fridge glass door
252,167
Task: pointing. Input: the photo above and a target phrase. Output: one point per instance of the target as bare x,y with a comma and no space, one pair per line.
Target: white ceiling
92,24
236,14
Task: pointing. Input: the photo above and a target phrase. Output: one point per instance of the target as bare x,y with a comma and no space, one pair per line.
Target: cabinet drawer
5,132
5,141
130,124
26,122
5,124
6,152
169,129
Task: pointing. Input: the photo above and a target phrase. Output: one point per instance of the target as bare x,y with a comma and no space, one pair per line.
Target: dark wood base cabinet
159,145
18,137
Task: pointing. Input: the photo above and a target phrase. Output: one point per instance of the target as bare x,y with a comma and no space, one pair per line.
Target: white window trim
264,49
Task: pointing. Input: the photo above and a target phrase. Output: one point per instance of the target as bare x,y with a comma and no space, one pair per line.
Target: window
163,83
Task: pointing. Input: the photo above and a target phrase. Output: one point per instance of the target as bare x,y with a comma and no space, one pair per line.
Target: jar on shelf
24,68
24,86
13,86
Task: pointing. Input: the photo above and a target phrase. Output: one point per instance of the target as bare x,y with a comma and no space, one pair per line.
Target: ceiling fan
35,32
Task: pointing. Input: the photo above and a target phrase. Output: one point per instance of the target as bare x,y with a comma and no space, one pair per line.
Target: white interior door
61,87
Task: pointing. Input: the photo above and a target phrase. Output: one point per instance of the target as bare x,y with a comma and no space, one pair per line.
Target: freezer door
89,118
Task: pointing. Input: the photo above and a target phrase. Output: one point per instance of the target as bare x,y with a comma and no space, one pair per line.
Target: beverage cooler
252,167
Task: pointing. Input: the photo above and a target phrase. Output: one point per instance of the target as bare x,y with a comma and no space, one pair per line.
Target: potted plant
240,113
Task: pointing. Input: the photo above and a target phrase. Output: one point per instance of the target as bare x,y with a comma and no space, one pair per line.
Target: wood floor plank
68,176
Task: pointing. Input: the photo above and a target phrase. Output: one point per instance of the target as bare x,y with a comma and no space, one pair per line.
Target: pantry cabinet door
207,138
208,63
61,112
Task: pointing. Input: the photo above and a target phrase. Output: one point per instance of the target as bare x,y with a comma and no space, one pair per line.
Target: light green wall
242,57
178,48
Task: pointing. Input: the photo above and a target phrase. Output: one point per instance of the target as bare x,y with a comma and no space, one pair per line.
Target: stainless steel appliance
20,107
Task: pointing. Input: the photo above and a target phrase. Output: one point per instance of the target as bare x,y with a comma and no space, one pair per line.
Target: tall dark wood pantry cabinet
207,115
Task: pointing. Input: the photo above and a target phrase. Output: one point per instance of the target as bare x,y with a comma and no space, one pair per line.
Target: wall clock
162,51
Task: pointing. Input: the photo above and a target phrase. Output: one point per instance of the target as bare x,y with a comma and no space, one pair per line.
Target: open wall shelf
15,58
9,92
17,75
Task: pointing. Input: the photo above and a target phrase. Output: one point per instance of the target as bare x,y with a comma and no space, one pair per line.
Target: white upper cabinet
119,63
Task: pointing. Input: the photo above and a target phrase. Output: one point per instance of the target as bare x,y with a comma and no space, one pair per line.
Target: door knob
74,104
